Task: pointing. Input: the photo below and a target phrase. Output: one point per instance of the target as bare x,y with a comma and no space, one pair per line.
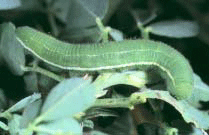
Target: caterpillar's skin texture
129,54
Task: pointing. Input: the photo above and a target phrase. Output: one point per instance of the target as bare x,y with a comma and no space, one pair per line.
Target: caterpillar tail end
182,91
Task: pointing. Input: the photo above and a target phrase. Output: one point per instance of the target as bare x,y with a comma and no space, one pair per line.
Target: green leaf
200,92
60,8
11,49
14,124
193,115
24,102
31,82
67,98
96,8
134,78
30,5
81,34
142,16
87,10
83,28
9,4
46,83
116,34
197,131
199,118
62,126
30,113
3,126
175,28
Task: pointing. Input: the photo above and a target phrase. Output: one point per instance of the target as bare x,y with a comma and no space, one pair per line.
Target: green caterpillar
128,54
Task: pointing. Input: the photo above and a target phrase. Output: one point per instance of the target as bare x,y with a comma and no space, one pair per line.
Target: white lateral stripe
131,64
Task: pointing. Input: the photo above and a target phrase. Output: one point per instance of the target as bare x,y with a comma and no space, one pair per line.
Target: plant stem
44,72
144,31
103,29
